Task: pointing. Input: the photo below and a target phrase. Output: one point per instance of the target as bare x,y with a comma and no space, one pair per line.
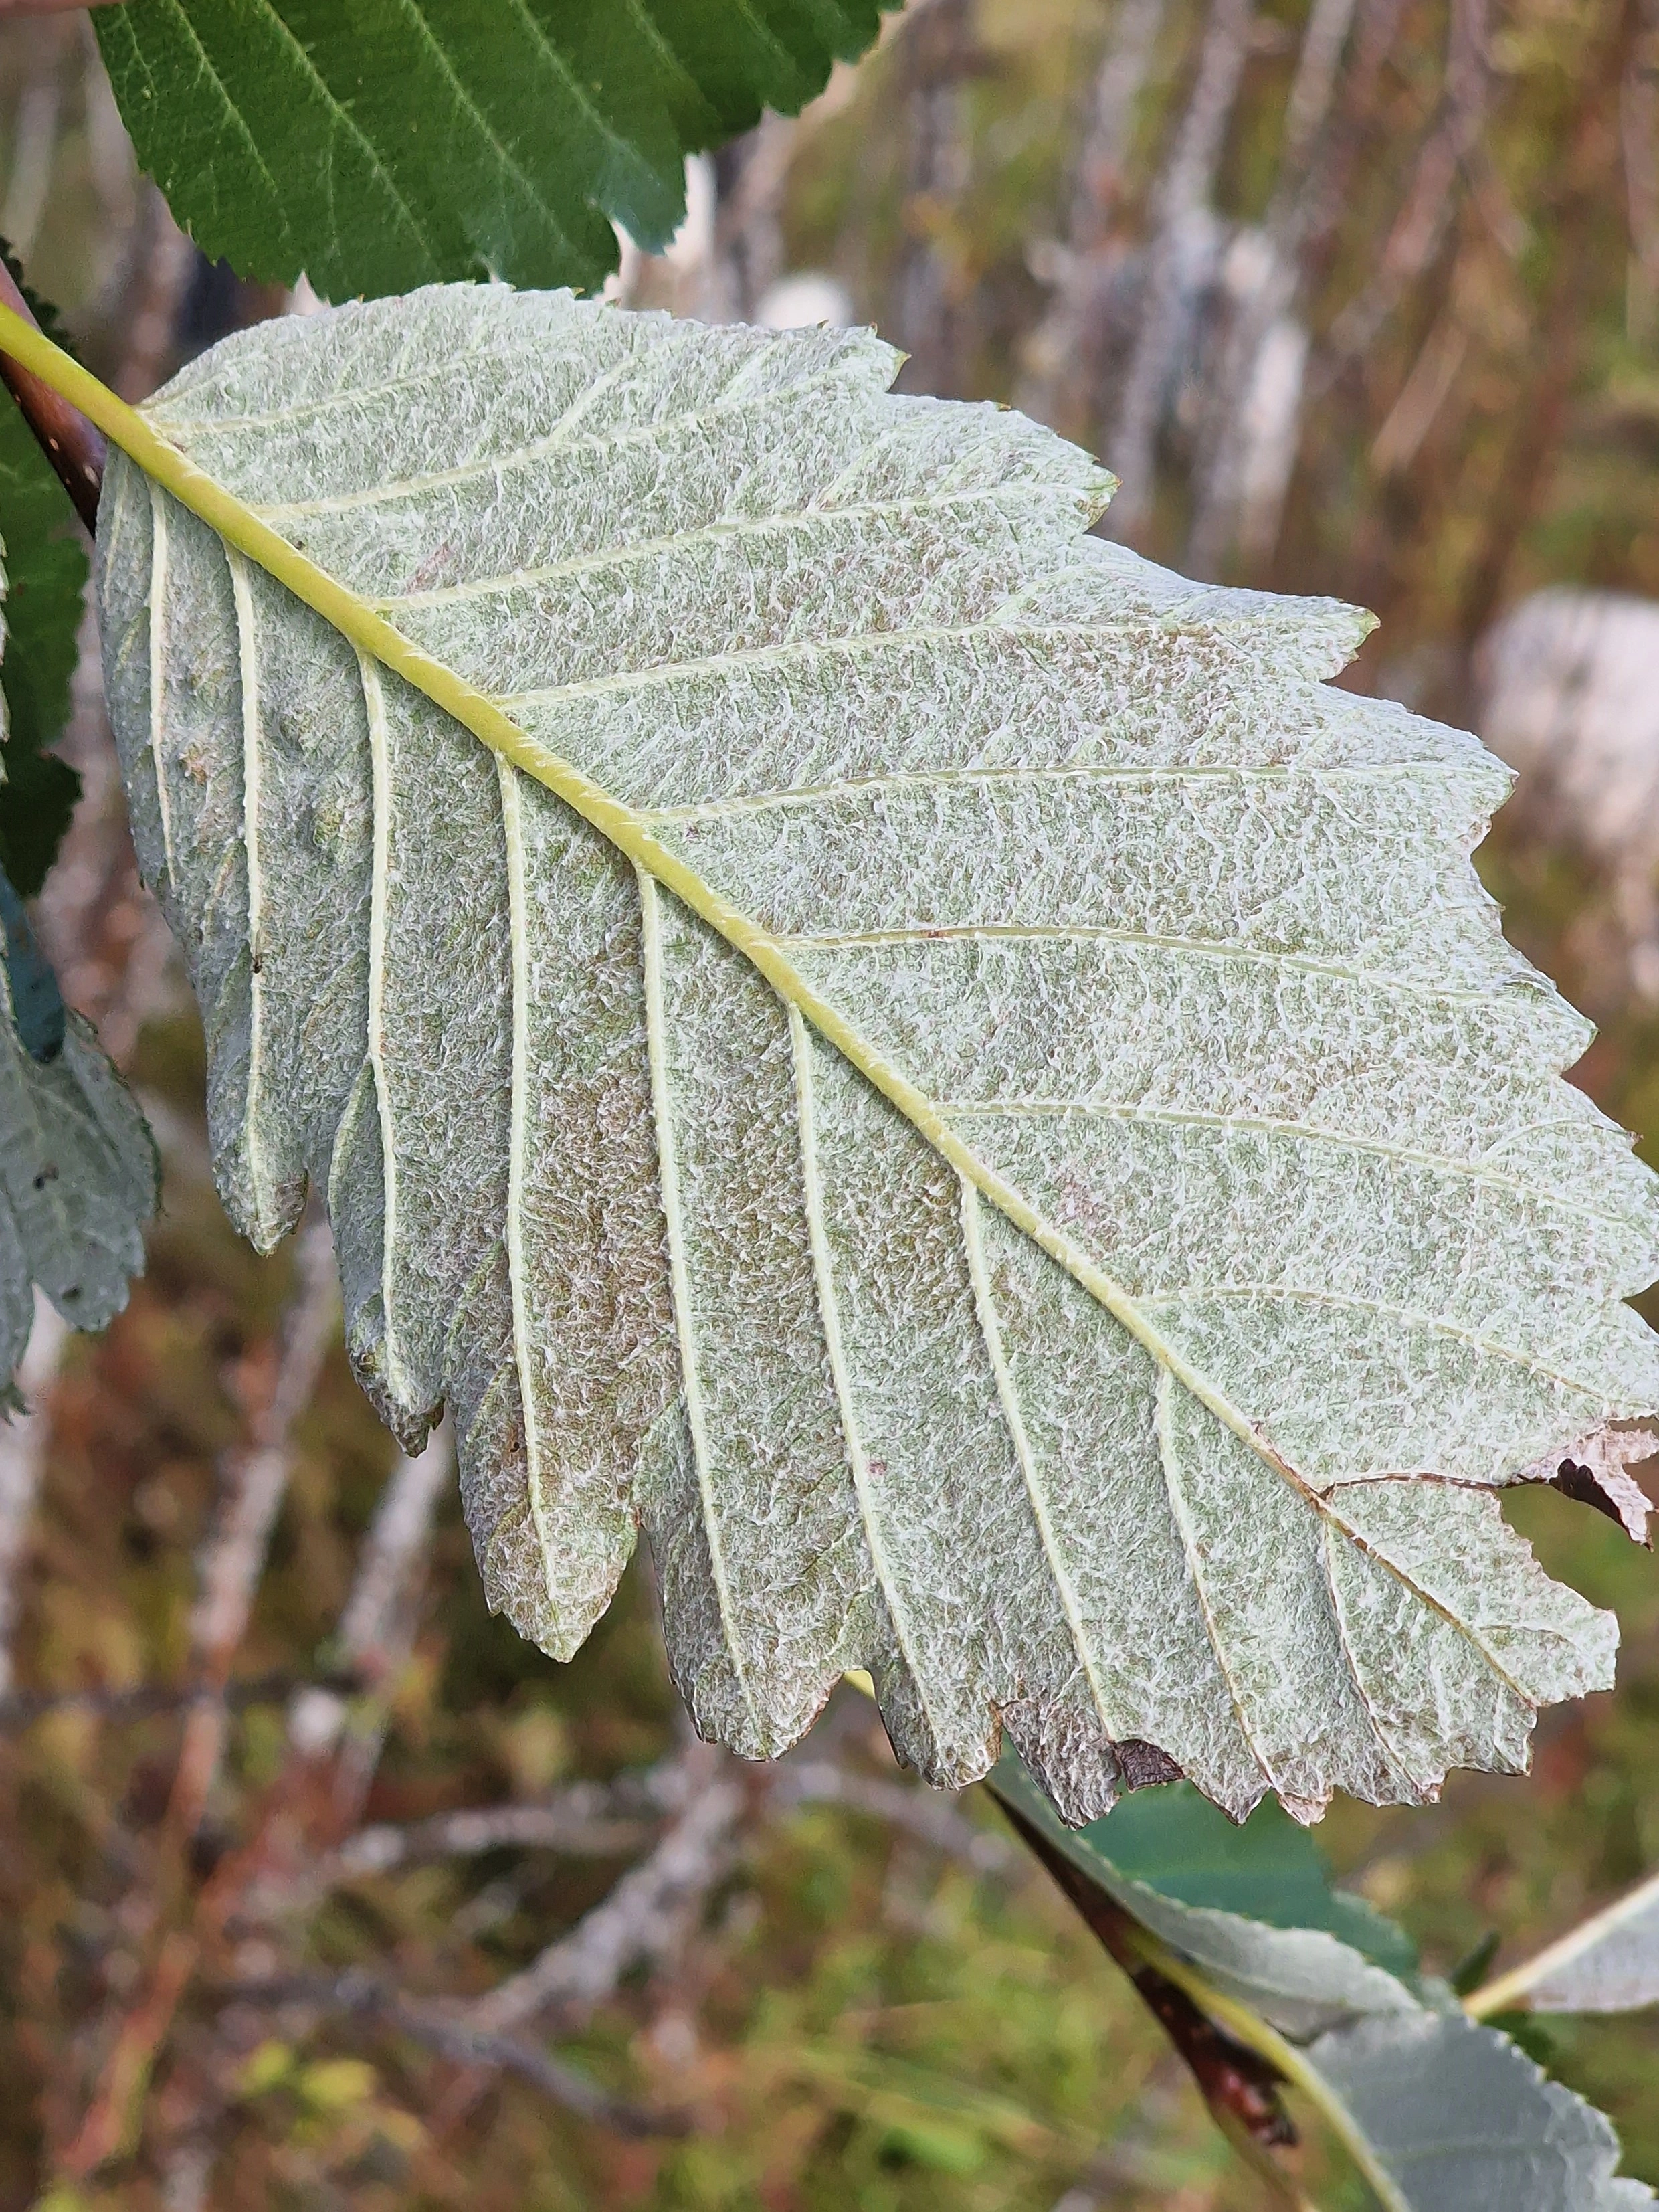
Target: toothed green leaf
393,142
969,1090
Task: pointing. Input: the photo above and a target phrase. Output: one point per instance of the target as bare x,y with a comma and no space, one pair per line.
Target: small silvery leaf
77,1163
1608,1963
956,1079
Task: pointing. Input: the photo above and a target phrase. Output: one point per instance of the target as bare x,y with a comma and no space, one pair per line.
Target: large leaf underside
1159,1402
388,143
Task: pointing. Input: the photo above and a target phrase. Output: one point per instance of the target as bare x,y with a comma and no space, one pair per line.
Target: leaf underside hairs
935,1065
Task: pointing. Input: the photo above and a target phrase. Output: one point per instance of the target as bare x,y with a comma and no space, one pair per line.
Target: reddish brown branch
69,441
1240,2087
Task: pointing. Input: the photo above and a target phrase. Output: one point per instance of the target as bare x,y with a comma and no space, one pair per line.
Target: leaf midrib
240,527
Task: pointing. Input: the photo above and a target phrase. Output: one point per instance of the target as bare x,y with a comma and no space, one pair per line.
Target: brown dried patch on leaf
1596,1471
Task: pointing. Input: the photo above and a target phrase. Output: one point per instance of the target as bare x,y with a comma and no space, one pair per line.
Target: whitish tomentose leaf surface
1147,1379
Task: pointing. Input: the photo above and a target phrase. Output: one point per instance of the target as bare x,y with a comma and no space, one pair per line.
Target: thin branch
255,1481
921,1813
578,1823
111,2117
932,296
1184,188
1064,356
641,1921
1240,2085
376,1625
377,1628
69,441
231,1562
460,2040
1431,199
22,1709
1538,419
1248,443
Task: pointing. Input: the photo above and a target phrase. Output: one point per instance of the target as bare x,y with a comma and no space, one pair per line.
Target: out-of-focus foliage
47,573
1478,410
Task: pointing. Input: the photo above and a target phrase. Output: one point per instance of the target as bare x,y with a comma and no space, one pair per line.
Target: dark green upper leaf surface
47,572
1270,1869
380,144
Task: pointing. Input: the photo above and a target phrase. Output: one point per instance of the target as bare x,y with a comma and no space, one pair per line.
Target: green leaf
1300,1977
1440,2114
46,573
1174,1841
389,142
77,1165
38,1013
934,1063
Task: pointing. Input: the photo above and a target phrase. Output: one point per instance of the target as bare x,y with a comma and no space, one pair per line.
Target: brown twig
1240,2087
69,441
455,2038
254,1481
643,1918
23,1708
110,2119
1431,199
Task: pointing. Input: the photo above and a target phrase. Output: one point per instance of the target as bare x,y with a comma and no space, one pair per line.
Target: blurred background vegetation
1359,298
